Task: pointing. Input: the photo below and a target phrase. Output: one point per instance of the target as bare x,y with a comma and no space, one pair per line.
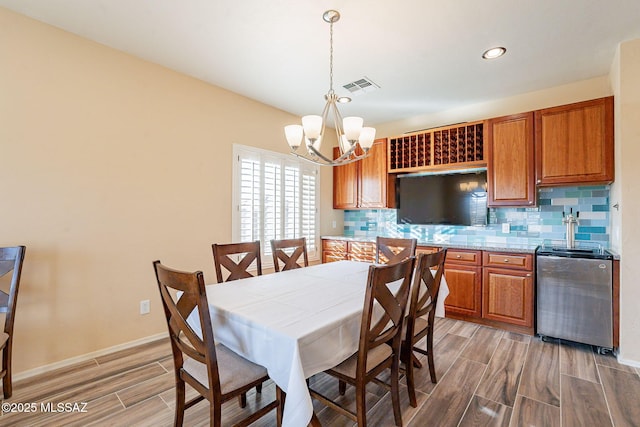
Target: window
275,196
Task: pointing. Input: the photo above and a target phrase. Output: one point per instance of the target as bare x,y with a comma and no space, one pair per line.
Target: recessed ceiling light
494,52
344,99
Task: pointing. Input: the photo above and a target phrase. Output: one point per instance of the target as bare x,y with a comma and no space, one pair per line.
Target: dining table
295,323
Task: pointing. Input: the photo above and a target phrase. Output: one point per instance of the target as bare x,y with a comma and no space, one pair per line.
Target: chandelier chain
331,57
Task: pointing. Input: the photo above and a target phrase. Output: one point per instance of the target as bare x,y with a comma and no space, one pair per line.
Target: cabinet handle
458,256
506,260
530,202
528,274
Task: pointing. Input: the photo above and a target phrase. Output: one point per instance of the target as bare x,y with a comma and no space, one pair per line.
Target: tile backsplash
528,226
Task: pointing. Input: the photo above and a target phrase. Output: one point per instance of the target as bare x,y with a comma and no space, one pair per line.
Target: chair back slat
381,297
190,294
222,257
391,250
297,249
425,288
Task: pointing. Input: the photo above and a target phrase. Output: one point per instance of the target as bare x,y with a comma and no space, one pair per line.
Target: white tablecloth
295,323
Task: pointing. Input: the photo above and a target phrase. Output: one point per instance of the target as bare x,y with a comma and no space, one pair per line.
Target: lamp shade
294,135
367,136
352,127
312,126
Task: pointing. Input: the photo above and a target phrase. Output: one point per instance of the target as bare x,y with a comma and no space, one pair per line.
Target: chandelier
350,132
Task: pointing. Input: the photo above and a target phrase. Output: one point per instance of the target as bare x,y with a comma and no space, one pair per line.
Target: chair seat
235,371
375,357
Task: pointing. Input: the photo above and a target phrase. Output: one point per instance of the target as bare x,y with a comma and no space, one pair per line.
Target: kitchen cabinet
463,273
507,288
574,143
510,161
334,250
449,147
338,250
364,184
362,251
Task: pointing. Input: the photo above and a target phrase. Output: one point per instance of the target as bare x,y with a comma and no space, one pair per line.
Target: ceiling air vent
361,86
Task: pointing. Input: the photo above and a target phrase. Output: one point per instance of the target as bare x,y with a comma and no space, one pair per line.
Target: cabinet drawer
426,250
464,257
508,260
334,245
362,251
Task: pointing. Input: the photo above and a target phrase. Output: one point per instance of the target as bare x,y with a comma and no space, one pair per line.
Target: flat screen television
444,199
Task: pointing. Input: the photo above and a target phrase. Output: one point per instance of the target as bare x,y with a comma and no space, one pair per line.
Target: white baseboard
628,362
83,358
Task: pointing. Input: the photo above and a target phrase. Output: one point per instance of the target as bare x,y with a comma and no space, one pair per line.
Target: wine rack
445,147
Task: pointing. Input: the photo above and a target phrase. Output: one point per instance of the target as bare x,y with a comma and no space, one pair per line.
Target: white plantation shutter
308,209
275,196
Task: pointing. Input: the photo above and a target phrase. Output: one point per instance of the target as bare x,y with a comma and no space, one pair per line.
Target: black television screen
447,199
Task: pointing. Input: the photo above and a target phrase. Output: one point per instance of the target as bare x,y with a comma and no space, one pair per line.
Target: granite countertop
507,247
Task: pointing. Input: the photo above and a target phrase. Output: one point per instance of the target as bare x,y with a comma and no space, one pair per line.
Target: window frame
261,155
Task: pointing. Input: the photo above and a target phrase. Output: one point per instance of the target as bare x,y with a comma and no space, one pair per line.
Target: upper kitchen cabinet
574,143
365,184
510,165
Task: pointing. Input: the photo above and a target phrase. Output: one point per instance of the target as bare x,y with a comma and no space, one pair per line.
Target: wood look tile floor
486,377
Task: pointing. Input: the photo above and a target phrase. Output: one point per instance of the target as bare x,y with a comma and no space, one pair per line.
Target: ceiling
424,55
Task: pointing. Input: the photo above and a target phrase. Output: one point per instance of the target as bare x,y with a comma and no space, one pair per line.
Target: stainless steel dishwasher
574,295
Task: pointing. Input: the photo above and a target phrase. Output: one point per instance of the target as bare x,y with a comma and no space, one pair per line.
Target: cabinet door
345,185
574,143
464,290
373,177
511,167
508,296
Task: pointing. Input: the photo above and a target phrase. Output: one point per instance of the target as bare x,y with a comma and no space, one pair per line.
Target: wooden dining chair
391,250
380,338
11,259
215,372
249,253
421,317
296,247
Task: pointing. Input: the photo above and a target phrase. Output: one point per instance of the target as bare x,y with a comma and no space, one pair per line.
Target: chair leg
7,389
432,366
242,400
215,415
395,390
342,387
180,403
280,396
259,388
361,406
411,387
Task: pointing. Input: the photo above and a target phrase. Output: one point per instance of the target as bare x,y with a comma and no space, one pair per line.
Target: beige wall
625,75
559,95
107,163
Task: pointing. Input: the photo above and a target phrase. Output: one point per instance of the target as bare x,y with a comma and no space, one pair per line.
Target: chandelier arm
327,162
314,152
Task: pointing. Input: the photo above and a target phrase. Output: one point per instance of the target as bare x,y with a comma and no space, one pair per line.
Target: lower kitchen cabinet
463,274
338,250
494,288
508,296
362,251
334,250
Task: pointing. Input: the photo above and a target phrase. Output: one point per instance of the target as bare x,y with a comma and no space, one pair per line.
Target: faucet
571,222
